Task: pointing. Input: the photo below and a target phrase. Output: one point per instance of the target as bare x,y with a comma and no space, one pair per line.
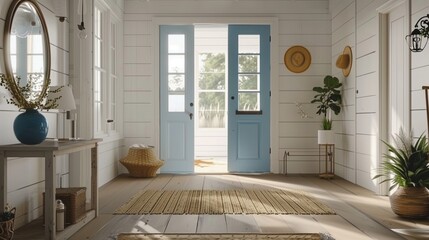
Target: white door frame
384,87
274,72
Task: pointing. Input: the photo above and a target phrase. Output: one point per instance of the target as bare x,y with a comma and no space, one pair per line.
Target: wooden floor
360,214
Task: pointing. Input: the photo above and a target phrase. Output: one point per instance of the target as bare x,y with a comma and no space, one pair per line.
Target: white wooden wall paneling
138,83
346,29
337,6
418,122
418,101
226,7
366,104
323,40
349,112
366,124
364,84
366,30
296,143
138,97
344,16
292,83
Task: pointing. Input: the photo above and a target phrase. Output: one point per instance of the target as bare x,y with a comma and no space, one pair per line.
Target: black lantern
418,38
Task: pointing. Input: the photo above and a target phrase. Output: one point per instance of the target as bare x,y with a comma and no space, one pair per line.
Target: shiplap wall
355,23
343,34
306,23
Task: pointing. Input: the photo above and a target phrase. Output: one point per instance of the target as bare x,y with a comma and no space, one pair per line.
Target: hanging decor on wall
345,60
418,38
81,26
297,59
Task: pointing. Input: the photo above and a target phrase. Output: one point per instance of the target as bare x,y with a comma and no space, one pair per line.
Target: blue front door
176,98
249,98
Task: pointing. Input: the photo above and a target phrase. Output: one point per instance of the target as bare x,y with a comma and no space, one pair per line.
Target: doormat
242,201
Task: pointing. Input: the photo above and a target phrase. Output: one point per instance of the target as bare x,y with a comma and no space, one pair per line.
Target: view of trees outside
212,90
212,87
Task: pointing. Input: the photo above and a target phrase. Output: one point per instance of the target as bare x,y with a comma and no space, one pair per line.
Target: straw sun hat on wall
297,59
344,61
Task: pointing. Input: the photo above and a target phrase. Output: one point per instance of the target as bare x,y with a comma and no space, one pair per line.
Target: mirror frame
46,45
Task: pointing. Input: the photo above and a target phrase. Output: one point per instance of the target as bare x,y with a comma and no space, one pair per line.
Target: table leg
3,180
94,180
50,170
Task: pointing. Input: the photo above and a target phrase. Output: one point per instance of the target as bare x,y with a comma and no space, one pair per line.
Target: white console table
49,150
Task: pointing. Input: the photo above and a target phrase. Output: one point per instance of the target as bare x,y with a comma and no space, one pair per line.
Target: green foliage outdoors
407,165
329,99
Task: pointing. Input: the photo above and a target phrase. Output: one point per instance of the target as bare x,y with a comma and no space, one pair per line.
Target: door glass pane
248,101
248,82
248,43
176,82
248,63
176,43
176,102
176,63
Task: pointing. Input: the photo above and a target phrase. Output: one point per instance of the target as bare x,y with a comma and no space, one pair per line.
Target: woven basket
7,228
141,162
74,200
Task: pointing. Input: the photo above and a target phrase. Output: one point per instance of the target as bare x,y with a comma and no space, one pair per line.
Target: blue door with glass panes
177,98
249,98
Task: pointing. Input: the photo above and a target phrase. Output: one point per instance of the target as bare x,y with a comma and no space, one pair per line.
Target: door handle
191,115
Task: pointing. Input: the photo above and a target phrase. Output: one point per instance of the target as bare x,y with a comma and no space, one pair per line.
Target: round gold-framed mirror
27,51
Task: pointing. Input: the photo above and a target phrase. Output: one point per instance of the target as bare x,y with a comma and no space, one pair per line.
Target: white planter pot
325,137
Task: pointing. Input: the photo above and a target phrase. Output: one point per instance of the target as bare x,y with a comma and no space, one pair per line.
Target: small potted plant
7,223
329,99
407,168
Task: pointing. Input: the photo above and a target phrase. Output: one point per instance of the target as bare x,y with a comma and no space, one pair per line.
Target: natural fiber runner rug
140,236
243,201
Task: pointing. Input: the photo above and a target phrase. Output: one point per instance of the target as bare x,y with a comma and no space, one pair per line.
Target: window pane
176,63
248,101
211,81
248,63
176,102
211,112
176,82
176,43
248,44
35,63
248,82
212,62
211,71
35,44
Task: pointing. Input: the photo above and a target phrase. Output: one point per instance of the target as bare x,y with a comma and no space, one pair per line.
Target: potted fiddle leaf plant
406,167
328,99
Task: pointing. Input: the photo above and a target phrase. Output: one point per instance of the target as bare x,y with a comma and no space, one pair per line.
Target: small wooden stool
141,162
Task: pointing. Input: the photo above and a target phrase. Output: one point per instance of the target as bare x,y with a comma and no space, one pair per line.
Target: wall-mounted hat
345,60
297,59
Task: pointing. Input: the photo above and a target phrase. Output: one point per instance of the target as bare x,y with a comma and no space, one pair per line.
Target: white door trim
384,61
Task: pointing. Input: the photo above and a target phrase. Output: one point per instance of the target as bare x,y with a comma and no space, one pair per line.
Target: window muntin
176,73
249,73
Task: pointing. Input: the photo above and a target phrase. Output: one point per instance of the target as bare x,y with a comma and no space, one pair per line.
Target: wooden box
74,200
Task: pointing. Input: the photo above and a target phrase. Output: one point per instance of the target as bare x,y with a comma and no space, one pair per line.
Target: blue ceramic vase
30,127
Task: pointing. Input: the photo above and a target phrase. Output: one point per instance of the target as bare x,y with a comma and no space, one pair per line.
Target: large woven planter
410,202
141,162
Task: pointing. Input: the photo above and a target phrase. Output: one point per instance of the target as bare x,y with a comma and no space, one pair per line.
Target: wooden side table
49,150
328,157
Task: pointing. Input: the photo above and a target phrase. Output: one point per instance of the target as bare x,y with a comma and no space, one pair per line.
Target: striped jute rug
243,201
289,236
